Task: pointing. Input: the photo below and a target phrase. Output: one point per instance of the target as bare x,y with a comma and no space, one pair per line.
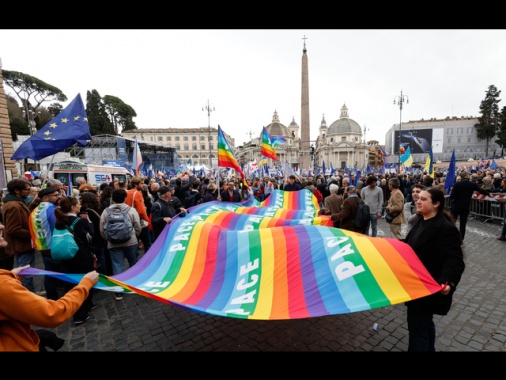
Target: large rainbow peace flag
273,260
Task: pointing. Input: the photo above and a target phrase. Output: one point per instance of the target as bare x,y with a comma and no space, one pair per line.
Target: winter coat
21,308
347,214
15,214
437,244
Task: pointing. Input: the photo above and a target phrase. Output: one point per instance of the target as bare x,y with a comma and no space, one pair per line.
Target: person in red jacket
319,197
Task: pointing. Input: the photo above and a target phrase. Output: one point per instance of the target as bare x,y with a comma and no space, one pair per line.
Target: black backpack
362,217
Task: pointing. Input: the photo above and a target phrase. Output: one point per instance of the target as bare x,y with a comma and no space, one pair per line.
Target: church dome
276,128
344,125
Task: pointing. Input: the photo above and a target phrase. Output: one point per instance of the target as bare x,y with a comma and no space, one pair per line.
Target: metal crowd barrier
487,209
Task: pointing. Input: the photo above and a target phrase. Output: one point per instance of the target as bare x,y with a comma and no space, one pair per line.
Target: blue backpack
63,243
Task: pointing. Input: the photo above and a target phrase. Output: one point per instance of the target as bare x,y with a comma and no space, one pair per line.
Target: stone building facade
196,145
443,135
8,169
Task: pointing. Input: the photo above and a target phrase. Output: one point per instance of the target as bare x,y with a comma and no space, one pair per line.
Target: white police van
68,172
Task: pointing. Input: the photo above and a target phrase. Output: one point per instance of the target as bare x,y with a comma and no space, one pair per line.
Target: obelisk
305,157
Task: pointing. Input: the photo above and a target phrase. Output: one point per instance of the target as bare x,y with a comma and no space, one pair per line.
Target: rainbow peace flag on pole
384,153
226,158
137,158
269,144
271,260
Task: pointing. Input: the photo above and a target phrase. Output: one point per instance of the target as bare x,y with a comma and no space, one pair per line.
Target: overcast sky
167,76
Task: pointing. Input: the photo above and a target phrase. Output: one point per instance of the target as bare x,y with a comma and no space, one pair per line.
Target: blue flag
357,178
69,127
324,169
450,175
69,185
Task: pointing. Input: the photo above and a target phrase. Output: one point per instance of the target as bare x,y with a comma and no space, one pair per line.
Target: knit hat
47,191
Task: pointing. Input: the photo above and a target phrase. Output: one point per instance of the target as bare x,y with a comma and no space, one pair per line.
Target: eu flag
69,127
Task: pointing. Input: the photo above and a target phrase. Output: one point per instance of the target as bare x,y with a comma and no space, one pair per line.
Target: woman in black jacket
105,197
83,261
437,243
90,208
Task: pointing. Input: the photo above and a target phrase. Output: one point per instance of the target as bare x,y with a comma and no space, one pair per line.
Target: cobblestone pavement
476,322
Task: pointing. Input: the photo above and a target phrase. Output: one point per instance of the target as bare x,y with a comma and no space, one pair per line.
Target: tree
45,115
18,124
120,113
98,119
55,109
486,128
501,129
32,92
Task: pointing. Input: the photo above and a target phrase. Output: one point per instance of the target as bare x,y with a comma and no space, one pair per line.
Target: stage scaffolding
104,148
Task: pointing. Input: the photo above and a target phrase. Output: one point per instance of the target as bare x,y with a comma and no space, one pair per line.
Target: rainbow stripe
41,223
271,262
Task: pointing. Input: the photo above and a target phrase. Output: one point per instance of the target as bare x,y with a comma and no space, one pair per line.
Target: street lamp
365,147
400,101
209,109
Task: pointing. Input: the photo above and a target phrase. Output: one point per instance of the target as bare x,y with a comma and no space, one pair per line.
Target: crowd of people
30,213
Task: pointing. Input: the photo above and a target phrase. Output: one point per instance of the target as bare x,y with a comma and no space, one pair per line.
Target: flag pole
218,171
47,172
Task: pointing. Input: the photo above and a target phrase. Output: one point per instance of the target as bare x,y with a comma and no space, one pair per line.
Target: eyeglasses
55,195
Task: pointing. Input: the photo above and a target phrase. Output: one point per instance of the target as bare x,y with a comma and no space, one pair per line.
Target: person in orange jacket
21,308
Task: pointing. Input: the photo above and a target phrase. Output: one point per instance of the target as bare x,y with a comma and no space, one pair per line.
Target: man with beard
41,225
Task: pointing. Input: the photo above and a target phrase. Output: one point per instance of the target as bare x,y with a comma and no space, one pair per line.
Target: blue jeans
145,237
100,253
51,283
26,258
422,331
373,224
118,255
